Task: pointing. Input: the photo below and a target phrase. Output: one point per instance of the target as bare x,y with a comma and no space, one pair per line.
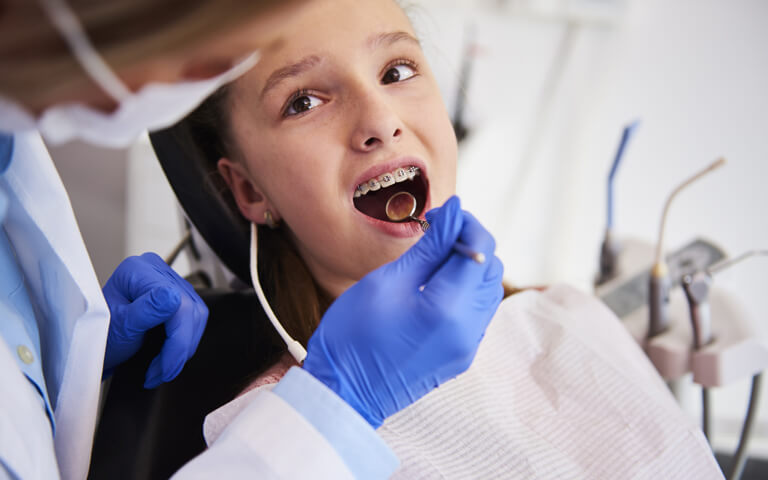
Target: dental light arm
658,294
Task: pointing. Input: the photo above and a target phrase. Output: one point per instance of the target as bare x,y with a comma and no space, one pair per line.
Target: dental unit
660,282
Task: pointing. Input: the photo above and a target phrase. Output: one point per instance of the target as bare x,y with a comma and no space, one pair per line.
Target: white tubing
294,348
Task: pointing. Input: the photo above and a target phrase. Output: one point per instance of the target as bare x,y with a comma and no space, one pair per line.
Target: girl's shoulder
217,420
273,374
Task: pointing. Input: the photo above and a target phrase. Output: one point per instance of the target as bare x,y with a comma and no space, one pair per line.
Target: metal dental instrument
402,206
660,283
697,287
728,262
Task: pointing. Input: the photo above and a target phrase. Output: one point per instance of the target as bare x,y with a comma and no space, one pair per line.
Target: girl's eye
398,73
301,104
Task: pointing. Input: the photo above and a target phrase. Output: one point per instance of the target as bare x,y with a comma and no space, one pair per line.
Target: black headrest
204,197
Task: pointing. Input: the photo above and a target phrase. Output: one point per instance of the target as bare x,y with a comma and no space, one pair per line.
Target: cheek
303,188
445,152
292,167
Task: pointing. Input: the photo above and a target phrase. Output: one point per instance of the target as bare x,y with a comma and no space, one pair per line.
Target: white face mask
153,107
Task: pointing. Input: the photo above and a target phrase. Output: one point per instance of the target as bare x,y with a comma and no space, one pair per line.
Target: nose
376,124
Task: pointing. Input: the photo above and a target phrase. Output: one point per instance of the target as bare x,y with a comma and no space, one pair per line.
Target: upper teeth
386,179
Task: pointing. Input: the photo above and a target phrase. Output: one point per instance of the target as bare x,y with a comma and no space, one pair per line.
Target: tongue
400,206
374,204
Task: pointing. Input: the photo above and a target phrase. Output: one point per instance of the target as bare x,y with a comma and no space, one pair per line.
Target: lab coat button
25,354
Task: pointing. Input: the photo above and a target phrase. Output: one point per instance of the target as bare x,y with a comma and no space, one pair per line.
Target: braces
386,179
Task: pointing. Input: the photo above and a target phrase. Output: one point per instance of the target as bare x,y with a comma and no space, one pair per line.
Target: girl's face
344,105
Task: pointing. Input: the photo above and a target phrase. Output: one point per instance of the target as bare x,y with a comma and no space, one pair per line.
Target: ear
249,198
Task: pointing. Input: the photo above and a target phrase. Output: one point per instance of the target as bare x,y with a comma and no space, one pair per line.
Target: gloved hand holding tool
412,324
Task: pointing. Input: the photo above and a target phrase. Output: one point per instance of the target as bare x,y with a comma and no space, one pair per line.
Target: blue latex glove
142,293
385,342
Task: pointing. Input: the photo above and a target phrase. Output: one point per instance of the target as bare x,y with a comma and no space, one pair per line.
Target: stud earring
271,223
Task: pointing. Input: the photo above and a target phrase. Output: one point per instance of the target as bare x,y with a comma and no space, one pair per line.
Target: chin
389,253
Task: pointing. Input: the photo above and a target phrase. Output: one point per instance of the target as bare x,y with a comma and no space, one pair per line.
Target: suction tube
294,348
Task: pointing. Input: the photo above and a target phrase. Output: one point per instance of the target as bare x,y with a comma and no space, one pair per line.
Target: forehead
334,27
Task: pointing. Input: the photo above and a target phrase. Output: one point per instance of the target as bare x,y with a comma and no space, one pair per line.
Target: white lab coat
270,441
72,318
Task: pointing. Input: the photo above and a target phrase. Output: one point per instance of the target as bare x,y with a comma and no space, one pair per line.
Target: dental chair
149,434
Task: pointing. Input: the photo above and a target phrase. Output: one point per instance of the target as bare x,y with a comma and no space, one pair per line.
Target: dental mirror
402,206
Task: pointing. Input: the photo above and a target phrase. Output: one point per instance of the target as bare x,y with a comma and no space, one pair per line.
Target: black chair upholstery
149,434
204,197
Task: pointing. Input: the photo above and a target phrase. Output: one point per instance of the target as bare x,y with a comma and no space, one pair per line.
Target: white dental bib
558,389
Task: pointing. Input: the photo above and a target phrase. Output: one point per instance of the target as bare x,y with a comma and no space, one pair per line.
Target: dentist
60,333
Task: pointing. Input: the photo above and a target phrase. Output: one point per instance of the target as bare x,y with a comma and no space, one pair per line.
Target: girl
312,143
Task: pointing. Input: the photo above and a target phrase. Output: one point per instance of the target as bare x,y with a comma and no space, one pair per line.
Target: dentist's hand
142,293
387,341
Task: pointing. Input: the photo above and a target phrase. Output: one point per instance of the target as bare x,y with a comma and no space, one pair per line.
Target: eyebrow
289,71
306,63
388,38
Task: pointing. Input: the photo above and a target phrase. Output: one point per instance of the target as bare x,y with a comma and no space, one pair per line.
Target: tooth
386,180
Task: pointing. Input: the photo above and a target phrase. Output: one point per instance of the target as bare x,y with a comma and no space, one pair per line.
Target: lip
402,229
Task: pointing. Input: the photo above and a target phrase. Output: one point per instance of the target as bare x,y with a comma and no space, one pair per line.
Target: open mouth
371,196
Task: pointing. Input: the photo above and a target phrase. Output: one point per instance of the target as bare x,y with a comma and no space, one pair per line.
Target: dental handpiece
402,206
660,282
696,288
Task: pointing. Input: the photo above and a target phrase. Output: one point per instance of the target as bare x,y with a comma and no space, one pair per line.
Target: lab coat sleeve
300,429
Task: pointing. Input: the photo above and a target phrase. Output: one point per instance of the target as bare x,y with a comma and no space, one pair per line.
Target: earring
271,223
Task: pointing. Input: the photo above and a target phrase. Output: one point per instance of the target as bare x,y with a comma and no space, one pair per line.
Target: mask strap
294,347
65,21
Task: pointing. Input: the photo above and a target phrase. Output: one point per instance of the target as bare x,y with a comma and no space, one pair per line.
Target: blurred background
540,91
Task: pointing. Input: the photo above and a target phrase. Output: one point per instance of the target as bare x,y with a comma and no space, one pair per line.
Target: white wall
95,182
549,101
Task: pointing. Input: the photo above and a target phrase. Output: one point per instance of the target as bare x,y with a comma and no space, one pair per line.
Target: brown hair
35,58
297,299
